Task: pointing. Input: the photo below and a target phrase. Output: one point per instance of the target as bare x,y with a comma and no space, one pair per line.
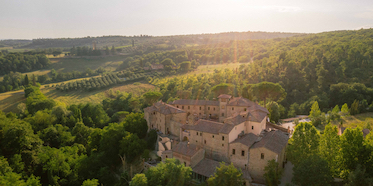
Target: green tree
313,171
92,182
113,52
185,66
223,88
169,173
139,180
135,123
274,111
304,142
26,82
355,108
151,97
226,175
272,175
345,111
132,147
268,90
352,151
316,116
329,147
359,177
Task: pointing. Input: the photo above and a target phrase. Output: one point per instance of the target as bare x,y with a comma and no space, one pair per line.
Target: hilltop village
202,133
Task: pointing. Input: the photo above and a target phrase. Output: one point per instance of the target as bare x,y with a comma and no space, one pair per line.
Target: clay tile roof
274,141
194,102
163,108
257,116
240,101
182,148
206,167
236,119
224,96
209,127
248,139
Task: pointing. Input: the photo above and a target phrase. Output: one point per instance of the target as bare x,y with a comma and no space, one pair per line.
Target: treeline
16,81
48,143
18,62
317,158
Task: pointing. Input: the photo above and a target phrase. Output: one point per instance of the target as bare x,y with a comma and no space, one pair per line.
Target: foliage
136,124
268,90
151,139
329,147
222,88
132,147
152,97
345,111
18,62
354,108
272,175
226,175
304,143
359,177
139,180
316,116
92,182
313,171
274,111
170,172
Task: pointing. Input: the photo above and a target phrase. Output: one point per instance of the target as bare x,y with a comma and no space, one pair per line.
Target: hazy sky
27,19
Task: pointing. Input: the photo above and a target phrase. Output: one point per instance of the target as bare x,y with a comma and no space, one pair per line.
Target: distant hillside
14,43
178,40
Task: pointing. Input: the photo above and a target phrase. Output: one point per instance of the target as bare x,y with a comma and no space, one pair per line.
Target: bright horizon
22,19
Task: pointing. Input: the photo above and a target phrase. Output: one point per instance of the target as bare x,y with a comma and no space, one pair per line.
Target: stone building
231,130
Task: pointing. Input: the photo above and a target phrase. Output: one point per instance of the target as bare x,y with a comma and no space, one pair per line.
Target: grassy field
10,100
359,120
81,64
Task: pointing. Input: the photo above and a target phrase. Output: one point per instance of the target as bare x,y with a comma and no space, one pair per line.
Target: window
244,109
222,144
252,127
154,113
188,107
214,108
243,153
262,155
166,157
232,108
200,108
196,141
182,107
205,141
197,133
200,133
222,114
199,114
222,138
233,151
223,107
184,163
223,100
208,108
213,136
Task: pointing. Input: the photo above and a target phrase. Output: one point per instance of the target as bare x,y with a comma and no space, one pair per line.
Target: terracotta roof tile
274,141
209,127
248,139
184,149
206,167
163,108
195,102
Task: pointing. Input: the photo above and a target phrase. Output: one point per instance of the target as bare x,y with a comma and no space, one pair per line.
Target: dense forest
18,62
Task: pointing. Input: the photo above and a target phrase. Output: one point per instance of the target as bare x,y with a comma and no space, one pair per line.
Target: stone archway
185,138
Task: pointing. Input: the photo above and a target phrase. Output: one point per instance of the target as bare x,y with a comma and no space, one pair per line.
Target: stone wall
237,159
257,164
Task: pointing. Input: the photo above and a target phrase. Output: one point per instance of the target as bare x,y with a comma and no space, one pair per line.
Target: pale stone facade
232,130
